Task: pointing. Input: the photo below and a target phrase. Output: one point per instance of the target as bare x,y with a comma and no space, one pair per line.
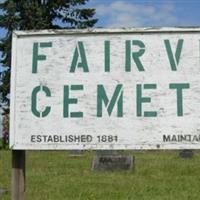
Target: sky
142,13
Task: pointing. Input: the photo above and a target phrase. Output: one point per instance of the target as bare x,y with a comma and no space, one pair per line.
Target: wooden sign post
115,89
18,175
103,89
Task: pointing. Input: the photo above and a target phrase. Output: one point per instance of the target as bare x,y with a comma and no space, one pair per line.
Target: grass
158,175
3,146
1,143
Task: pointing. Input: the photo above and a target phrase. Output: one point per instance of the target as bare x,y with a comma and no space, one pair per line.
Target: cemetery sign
105,89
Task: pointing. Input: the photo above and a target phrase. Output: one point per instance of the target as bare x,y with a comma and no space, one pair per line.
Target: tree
36,15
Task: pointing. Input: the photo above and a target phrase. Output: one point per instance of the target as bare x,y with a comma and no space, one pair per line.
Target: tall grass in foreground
158,175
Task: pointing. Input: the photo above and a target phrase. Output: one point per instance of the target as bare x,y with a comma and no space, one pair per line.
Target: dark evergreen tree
36,15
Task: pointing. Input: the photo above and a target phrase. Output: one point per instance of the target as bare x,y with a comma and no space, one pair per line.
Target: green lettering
179,92
174,61
38,57
79,53
141,99
135,55
34,101
107,55
117,97
68,100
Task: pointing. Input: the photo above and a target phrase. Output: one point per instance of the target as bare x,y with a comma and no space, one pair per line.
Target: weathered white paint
133,132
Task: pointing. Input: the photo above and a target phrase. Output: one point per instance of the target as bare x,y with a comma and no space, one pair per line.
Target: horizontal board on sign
106,89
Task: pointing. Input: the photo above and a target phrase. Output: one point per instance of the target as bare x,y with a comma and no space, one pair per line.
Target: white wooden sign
106,89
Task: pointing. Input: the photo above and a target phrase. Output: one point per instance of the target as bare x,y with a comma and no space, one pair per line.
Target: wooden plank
108,31
126,90
18,175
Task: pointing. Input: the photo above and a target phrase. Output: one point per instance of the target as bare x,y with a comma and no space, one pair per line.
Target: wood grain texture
18,175
133,132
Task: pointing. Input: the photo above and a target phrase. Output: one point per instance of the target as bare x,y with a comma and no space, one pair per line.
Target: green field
158,175
1,143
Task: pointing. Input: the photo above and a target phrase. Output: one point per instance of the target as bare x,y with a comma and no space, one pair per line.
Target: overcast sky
140,13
